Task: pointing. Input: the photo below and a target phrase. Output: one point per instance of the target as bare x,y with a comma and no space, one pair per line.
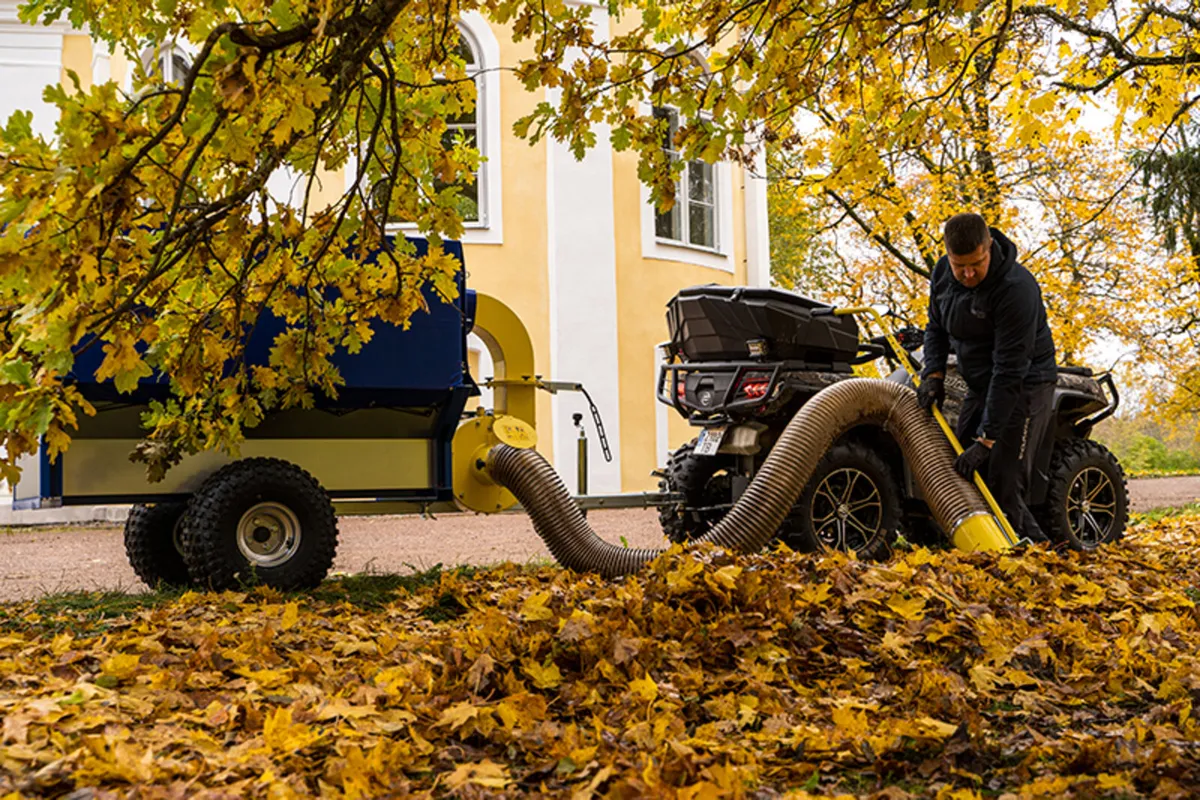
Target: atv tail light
754,386
755,389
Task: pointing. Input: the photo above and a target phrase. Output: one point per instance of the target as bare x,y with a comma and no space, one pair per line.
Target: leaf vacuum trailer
397,440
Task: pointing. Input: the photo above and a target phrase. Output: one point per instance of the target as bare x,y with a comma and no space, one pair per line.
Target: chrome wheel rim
1092,506
268,534
846,510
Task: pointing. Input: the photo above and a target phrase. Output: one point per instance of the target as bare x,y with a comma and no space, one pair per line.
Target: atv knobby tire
153,544
852,502
1087,501
701,480
260,520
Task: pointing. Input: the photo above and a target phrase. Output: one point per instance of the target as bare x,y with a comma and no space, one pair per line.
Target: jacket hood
1004,256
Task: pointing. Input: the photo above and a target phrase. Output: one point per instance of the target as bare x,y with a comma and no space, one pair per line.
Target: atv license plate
709,441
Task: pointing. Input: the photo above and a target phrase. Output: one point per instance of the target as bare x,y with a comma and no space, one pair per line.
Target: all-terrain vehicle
742,361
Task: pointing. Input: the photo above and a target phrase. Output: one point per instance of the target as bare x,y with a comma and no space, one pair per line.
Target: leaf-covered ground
936,674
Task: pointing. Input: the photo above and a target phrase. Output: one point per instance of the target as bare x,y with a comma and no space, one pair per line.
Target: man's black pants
1013,453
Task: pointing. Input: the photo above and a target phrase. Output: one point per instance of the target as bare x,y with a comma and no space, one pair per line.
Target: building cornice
10,22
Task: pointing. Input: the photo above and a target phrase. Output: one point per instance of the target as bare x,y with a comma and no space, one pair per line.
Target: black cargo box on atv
717,323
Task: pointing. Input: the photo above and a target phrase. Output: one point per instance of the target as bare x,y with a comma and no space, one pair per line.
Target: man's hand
932,390
972,459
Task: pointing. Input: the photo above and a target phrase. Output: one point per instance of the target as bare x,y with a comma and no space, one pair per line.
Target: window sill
412,226
680,252
699,248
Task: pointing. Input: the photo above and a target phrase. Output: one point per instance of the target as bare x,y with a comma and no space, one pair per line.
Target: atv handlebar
869,351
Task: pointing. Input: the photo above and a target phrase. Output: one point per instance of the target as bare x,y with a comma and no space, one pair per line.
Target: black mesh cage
718,323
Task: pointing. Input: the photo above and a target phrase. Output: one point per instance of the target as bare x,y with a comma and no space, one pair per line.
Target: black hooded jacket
998,329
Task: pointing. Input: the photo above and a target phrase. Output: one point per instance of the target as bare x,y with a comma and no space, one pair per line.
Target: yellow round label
515,432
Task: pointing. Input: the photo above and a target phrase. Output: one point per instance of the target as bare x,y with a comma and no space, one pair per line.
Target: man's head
968,248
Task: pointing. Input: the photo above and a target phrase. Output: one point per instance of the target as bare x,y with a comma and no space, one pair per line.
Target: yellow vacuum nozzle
979,532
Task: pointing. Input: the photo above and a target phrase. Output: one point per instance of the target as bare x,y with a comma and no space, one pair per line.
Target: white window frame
489,228
163,54
719,257
683,197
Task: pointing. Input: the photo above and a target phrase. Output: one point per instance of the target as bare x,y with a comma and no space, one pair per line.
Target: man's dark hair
964,233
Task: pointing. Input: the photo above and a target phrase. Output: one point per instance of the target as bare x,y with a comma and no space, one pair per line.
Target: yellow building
573,247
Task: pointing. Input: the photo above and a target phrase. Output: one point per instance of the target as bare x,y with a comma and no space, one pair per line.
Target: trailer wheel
153,543
260,520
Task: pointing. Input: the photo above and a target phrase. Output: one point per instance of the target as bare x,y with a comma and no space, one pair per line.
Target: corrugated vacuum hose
758,513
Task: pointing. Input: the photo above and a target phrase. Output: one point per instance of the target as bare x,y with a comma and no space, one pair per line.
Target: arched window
479,194
165,64
693,218
472,193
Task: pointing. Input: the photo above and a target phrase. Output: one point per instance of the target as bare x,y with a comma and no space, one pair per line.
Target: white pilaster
30,60
582,261
758,231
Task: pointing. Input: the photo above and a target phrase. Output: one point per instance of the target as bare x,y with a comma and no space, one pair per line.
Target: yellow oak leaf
120,666
907,607
850,723
984,678
645,688
291,615
544,676
283,735
458,715
726,577
534,608
485,773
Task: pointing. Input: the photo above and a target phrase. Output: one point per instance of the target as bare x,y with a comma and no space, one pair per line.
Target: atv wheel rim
268,534
1092,507
847,509
177,534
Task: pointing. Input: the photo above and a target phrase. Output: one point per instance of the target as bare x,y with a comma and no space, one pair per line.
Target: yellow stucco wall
517,272
77,57
118,68
644,286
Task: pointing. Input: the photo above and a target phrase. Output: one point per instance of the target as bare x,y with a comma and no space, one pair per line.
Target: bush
1147,453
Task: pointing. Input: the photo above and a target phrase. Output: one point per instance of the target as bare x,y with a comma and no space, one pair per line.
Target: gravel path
36,561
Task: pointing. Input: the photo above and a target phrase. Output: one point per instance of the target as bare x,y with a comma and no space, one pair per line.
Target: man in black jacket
989,309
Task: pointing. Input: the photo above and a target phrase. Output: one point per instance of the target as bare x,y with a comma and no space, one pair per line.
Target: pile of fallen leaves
1035,674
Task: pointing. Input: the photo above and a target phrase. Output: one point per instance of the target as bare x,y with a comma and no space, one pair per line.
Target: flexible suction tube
769,498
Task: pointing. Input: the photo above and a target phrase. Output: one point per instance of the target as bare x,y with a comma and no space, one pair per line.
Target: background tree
802,258
146,226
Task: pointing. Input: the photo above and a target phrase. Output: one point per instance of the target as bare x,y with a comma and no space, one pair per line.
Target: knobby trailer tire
153,546
260,520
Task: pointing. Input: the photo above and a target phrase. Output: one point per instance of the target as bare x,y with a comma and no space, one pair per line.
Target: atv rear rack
670,374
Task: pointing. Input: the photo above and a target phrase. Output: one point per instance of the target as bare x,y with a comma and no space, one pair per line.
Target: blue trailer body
386,435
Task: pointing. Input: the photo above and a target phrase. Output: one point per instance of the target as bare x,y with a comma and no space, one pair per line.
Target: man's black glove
972,459
932,390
